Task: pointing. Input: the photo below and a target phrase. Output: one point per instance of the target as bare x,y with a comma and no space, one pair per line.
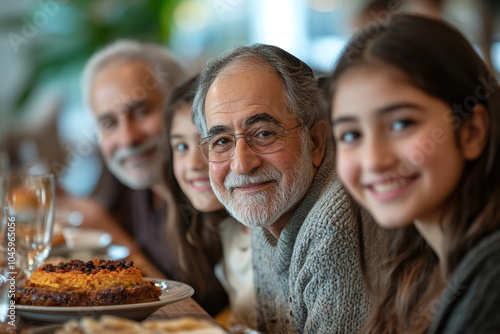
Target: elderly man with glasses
280,180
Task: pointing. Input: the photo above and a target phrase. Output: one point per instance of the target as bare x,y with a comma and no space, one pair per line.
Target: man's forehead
123,104
132,65
244,87
127,75
123,86
248,69
245,64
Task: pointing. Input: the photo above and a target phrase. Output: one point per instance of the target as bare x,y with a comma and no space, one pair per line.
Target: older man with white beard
126,85
280,180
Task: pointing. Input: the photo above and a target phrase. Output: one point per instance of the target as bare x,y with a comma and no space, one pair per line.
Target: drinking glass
28,202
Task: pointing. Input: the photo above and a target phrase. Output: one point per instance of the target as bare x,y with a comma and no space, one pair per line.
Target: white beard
264,208
140,176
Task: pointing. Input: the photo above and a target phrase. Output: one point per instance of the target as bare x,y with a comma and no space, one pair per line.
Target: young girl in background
187,177
416,120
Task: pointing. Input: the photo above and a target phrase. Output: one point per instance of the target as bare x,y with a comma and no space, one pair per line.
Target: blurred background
44,126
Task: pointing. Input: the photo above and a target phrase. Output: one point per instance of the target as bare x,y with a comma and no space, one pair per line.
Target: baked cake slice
92,283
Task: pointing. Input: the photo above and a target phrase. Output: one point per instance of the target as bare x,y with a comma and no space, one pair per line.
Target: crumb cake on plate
92,283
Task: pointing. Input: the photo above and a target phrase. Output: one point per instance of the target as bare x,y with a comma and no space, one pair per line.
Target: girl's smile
389,189
190,168
200,184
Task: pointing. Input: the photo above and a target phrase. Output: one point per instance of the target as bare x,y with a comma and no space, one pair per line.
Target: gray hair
167,70
302,94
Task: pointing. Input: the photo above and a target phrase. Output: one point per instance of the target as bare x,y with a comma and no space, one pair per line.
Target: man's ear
319,134
474,133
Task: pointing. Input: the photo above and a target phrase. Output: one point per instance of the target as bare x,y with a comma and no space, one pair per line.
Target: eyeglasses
263,140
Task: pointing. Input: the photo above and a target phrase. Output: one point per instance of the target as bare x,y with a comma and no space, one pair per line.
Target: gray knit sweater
310,281
471,301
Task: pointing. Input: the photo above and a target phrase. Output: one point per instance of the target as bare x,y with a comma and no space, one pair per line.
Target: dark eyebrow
385,110
343,119
104,117
264,117
129,106
215,130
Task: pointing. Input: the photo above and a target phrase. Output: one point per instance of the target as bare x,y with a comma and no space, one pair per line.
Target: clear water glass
30,202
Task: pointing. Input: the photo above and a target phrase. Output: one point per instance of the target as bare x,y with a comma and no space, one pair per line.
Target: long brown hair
437,59
193,236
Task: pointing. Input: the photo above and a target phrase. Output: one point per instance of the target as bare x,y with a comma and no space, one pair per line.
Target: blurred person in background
371,13
374,12
201,233
280,180
127,85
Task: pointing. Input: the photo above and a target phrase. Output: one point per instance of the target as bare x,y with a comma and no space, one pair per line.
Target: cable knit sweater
309,280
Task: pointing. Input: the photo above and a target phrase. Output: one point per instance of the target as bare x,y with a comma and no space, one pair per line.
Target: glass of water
29,201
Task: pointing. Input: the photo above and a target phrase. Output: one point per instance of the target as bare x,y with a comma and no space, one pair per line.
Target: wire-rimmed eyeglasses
262,139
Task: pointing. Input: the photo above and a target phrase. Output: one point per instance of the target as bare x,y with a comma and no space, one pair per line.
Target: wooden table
184,308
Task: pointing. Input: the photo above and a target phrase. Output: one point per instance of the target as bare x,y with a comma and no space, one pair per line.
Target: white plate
81,240
68,217
113,252
172,291
85,239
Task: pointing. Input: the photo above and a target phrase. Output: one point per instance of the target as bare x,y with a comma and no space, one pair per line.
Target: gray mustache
124,153
267,174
